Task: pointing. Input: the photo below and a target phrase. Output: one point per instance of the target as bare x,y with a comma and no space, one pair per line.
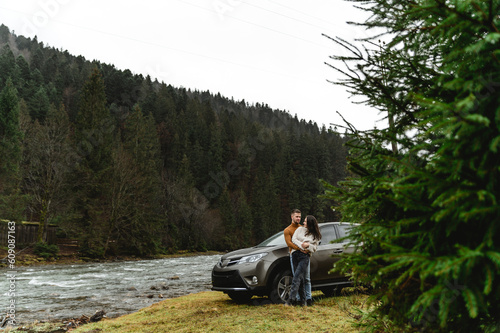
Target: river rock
98,315
161,286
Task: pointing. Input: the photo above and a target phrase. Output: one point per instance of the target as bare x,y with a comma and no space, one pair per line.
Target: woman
307,239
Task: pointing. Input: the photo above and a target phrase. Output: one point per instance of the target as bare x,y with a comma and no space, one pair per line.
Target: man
288,232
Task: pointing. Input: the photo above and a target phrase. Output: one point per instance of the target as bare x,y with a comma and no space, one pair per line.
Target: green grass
215,312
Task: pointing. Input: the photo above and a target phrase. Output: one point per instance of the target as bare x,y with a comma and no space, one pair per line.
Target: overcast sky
266,51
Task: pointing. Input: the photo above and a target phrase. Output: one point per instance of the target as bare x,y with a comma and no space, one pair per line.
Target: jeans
301,263
308,277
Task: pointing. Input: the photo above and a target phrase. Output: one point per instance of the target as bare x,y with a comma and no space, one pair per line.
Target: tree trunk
42,226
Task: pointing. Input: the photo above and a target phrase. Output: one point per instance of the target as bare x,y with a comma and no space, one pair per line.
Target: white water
57,292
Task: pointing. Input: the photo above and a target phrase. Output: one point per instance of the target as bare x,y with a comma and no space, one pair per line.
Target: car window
276,239
327,234
344,230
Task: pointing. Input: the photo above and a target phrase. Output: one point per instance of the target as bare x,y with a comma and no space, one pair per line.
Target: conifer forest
129,165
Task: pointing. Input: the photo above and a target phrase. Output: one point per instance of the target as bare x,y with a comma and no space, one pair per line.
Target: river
57,292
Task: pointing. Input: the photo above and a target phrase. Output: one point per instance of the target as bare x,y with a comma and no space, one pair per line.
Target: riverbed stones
161,286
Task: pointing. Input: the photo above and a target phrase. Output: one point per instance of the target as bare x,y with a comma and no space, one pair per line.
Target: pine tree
425,186
265,206
94,141
11,204
7,65
4,34
137,194
39,105
94,125
244,220
24,76
226,209
10,135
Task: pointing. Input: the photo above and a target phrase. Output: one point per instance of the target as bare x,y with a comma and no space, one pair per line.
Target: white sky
266,51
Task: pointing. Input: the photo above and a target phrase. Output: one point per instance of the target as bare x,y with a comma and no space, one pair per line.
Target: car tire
280,288
332,291
240,296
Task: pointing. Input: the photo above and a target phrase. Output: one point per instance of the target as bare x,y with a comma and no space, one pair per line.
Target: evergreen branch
470,302
344,73
488,284
442,5
494,257
489,18
345,44
349,125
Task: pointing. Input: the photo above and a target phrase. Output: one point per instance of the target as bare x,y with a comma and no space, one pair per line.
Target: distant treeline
129,165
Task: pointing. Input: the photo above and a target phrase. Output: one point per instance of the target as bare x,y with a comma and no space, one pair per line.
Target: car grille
228,262
229,279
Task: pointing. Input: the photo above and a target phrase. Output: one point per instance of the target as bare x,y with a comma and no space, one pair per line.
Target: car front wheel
280,289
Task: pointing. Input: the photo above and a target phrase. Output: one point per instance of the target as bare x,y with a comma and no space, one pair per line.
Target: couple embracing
302,242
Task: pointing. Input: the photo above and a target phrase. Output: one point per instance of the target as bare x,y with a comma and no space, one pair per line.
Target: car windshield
276,239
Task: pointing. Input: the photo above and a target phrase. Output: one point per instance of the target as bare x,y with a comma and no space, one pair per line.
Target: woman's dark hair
312,227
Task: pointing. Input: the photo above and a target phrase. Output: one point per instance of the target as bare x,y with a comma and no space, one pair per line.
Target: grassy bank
215,312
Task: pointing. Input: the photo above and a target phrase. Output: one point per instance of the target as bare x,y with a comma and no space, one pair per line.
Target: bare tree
47,160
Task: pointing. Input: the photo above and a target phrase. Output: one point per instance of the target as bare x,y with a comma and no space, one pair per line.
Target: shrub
46,250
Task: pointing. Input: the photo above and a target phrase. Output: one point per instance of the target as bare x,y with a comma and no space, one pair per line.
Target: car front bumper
240,280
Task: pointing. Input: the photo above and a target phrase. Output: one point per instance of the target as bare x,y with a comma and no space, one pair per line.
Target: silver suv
264,270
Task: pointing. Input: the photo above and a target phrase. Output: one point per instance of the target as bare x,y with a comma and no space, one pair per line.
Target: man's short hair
295,211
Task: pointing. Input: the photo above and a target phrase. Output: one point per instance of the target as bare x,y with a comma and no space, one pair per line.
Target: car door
324,258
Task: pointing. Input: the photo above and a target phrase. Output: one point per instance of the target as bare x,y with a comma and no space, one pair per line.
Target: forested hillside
130,165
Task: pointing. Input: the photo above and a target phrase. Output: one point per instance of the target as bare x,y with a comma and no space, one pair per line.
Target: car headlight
251,258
